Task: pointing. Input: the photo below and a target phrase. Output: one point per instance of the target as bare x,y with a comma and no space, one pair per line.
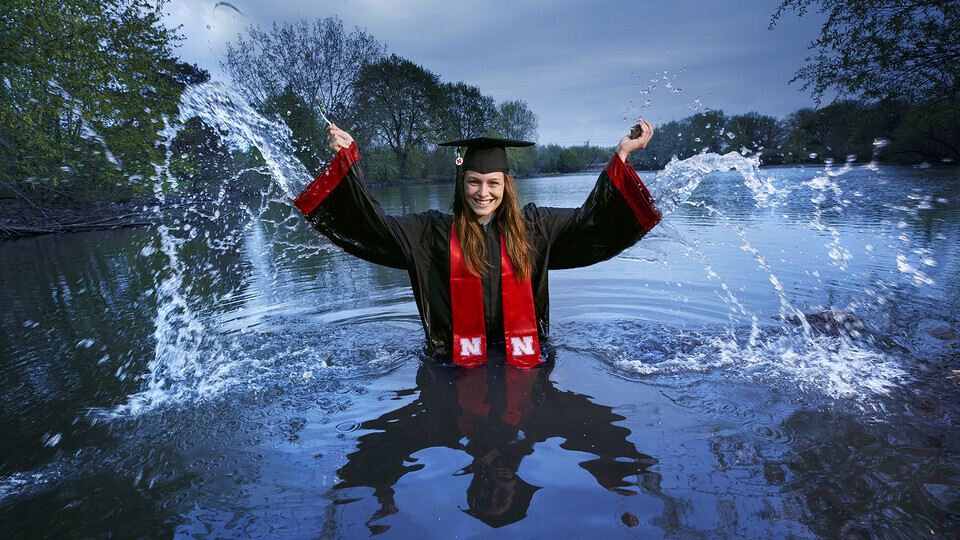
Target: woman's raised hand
339,139
628,144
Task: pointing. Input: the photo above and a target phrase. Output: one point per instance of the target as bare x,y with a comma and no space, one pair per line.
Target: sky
587,69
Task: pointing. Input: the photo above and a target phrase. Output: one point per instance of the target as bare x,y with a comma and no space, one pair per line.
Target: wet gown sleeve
338,204
617,213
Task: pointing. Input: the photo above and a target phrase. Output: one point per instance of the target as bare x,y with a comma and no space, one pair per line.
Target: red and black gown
617,214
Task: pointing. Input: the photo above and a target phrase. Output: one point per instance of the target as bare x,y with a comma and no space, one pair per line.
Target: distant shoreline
20,218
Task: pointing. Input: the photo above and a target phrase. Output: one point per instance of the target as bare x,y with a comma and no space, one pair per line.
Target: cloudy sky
586,69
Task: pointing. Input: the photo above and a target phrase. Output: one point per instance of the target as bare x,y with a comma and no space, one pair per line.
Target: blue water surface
230,373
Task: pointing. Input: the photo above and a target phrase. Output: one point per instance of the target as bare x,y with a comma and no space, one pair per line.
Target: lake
230,373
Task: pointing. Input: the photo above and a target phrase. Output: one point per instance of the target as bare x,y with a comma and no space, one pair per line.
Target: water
230,373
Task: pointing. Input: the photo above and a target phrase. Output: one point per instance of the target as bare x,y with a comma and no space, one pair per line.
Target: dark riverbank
20,218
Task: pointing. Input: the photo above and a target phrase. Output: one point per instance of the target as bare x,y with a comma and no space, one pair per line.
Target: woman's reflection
497,414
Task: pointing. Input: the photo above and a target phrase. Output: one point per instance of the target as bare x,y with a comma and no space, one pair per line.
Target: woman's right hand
628,145
339,139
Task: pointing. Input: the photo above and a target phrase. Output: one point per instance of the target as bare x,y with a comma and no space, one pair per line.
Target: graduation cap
485,154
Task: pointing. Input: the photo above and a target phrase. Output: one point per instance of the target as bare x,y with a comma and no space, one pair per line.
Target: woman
479,276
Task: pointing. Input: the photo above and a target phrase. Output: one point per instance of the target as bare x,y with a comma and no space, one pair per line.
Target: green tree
319,62
581,157
308,133
755,132
882,49
198,156
467,112
798,125
87,88
515,121
664,146
841,129
547,159
704,131
904,54
926,132
401,101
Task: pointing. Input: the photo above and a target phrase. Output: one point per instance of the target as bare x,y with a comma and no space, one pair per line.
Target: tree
704,131
926,132
400,100
468,113
799,125
839,130
547,159
666,144
87,88
308,135
319,62
882,49
755,132
198,155
515,121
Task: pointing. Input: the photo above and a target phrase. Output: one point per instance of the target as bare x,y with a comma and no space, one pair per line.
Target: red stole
519,317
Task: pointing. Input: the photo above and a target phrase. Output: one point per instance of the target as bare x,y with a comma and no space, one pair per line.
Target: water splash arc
195,358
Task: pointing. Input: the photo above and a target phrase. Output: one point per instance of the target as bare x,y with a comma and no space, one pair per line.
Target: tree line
86,90
891,132
898,113
396,109
896,67
89,89
845,131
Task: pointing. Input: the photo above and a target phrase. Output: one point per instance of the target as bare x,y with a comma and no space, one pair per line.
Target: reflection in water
496,414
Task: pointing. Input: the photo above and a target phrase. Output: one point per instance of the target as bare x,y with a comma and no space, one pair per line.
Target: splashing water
199,355
678,180
87,130
219,106
194,357
838,365
190,359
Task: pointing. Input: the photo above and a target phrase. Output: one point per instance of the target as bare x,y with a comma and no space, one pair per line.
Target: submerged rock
943,333
833,322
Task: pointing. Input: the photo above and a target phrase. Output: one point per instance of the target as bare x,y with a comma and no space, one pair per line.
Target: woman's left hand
339,139
628,145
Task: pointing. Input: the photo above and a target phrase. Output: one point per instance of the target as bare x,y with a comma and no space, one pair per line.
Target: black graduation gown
339,205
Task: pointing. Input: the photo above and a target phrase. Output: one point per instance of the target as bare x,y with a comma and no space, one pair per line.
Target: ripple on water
831,366
347,427
776,434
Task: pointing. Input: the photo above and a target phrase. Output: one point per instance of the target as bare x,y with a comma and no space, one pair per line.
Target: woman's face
484,192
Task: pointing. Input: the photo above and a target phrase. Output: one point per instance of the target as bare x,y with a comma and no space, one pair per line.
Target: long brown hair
509,221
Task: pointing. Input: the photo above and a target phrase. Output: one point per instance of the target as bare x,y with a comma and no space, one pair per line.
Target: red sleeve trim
633,191
310,198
